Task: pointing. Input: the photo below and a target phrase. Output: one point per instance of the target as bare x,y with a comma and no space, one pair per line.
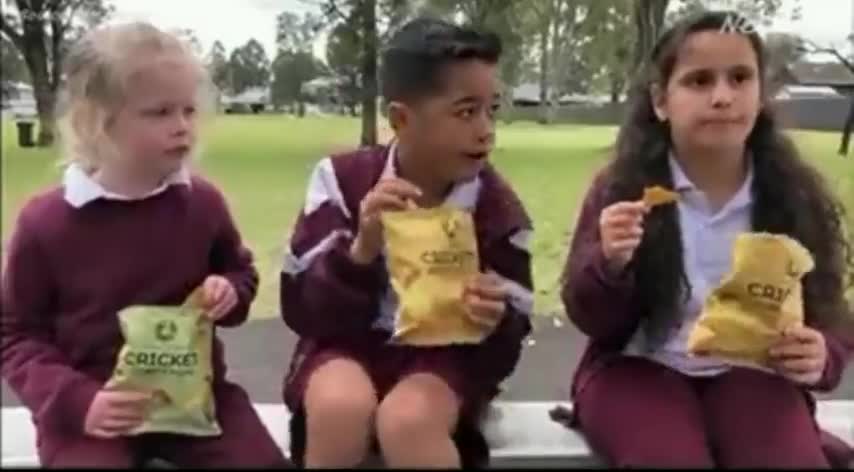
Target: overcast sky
236,21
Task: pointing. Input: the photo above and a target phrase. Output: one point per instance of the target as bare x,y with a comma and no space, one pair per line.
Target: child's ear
659,99
398,116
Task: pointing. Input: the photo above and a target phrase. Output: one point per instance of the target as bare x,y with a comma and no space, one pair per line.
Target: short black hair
417,53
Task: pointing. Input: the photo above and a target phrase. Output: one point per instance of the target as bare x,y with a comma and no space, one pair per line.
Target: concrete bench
520,434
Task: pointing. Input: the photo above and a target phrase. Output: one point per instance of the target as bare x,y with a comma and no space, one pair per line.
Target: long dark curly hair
790,197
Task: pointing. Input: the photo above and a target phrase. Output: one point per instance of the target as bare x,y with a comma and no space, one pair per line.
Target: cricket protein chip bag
761,296
431,254
168,352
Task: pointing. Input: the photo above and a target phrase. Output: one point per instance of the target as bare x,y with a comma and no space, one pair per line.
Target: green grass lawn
262,163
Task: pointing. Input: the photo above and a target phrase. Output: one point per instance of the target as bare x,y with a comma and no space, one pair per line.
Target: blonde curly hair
97,71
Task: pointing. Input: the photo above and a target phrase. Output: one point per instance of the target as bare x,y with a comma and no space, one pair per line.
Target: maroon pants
244,443
636,413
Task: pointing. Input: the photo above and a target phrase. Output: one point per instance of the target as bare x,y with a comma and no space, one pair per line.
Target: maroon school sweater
334,300
70,270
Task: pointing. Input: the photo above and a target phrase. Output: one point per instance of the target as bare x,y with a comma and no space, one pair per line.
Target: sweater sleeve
35,368
323,292
496,357
597,301
234,261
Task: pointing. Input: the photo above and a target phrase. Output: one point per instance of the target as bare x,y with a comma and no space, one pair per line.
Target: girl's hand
800,355
218,297
621,230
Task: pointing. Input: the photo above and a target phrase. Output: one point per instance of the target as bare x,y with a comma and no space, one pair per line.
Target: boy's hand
115,413
218,297
485,297
800,355
387,195
621,230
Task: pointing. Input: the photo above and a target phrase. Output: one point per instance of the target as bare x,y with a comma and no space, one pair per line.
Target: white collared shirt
707,242
81,188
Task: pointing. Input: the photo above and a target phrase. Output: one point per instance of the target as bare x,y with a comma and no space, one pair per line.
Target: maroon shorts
386,365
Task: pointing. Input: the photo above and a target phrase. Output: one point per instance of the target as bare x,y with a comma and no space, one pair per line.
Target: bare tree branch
71,11
816,48
14,36
332,7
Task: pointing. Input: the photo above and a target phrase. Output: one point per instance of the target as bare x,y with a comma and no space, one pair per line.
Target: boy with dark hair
347,384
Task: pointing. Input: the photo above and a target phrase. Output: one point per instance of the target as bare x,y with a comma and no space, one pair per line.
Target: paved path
259,351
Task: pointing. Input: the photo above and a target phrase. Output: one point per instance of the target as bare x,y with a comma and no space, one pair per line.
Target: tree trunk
45,106
846,130
353,95
369,73
544,75
36,56
557,62
616,82
648,16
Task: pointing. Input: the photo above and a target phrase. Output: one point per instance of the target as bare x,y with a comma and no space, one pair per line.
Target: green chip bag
168,352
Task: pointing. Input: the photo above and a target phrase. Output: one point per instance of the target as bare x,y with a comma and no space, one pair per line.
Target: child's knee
339,393
417,407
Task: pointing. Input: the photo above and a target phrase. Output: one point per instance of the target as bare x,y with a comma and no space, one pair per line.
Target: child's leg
759,420
340,402
636,413
62,451
415,422
244,443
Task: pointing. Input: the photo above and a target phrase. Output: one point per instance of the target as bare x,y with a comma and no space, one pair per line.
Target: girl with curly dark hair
700,123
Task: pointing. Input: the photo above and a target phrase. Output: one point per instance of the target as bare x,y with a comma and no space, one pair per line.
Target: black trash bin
25,133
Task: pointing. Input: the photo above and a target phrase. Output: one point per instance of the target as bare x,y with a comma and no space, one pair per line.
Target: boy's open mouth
178,151
476,156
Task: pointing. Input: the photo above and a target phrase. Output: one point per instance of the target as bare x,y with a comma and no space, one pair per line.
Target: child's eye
493,110
190,111
157,112
700,80
741,77
465,113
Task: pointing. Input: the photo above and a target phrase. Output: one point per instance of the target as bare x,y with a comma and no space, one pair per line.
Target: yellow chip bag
168,352
431,254
755,302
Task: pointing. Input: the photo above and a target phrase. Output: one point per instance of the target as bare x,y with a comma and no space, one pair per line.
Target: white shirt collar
81,188
742,198
463,195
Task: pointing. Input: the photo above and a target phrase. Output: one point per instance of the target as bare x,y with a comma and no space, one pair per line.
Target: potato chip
431,254
168,352
658,195
760,298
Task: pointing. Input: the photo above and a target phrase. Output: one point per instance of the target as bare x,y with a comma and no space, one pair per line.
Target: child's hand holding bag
759,305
